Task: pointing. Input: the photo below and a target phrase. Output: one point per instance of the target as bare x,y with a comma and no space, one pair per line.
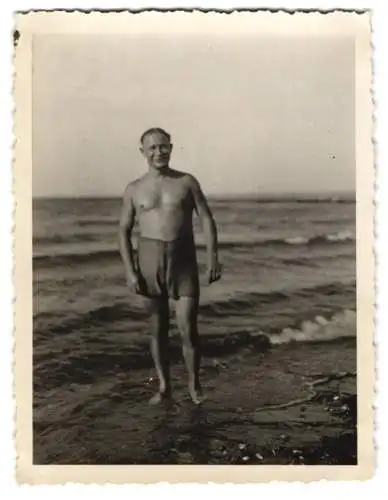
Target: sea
289,272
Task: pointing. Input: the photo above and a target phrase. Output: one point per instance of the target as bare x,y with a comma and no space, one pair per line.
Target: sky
247,113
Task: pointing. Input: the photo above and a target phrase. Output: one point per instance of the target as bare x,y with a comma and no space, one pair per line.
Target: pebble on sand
219,364
242,446
258,456
245,458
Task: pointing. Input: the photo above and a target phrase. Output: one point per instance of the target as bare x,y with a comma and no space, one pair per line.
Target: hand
133,282
214,270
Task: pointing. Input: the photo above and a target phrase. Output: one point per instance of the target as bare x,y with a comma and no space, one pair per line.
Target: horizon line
211,195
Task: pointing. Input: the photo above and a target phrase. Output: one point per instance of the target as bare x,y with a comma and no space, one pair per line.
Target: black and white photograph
195,243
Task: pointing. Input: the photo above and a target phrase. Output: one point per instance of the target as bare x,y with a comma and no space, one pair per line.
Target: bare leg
159,322
186,317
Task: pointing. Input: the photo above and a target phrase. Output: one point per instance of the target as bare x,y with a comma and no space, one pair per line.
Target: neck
158,172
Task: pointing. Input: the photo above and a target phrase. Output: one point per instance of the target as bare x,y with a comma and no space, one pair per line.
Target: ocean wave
75,256
340,236
284,199
45,322
342,324
66,238
90,361
250,300
98,221
313,260
258,303
334,222
63,256
329,328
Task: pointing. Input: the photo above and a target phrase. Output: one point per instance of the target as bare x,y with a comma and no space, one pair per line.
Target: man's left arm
209,228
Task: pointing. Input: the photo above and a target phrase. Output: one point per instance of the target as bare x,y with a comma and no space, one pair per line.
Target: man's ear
141,150
171,147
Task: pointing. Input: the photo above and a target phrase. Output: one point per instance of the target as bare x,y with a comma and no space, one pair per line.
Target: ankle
195,387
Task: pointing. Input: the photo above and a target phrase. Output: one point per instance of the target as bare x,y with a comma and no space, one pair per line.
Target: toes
197,397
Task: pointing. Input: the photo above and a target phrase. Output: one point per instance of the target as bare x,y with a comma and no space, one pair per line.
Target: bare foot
197,396
159,397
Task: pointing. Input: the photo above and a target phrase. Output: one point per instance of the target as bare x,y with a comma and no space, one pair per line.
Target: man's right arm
127,221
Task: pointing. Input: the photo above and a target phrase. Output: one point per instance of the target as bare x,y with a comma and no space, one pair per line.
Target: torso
164,206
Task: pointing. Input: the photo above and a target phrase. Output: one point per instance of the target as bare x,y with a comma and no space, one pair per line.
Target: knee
183,327
159,326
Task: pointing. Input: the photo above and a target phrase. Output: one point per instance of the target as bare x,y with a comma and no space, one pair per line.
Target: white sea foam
341,236
297,240
341,325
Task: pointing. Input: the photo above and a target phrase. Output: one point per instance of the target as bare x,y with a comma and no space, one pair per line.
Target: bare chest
161,195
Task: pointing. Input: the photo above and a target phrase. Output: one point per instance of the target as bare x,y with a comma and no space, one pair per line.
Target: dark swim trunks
167,268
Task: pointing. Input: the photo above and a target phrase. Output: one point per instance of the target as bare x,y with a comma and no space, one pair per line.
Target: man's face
156,149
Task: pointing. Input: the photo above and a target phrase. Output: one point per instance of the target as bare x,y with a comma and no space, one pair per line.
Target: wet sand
290,404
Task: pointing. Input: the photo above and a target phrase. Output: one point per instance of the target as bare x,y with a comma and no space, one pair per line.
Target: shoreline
271,417
104,355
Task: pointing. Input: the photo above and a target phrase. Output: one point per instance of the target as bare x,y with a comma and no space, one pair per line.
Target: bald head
152,131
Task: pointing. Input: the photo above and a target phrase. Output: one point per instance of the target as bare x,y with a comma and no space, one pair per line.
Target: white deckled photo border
30,24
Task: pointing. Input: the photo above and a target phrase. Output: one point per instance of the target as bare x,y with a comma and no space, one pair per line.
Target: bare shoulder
194,184
132,188
187,179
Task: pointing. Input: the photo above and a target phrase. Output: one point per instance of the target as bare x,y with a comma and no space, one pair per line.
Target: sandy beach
289,404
